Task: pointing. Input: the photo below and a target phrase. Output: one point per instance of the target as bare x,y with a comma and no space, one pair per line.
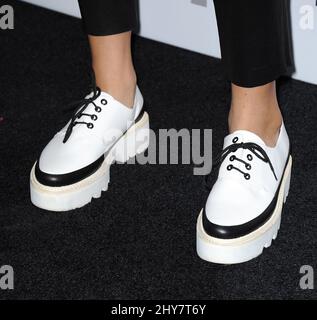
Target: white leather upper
234,200
85,145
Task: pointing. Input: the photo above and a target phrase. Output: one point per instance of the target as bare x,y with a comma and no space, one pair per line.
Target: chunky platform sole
133,142
238,250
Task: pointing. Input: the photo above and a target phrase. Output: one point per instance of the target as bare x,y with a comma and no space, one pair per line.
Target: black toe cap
60,180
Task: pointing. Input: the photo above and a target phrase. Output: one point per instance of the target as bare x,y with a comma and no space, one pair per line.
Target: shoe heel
135,141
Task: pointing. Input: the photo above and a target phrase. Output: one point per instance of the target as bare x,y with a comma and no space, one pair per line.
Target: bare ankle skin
256,110
113,66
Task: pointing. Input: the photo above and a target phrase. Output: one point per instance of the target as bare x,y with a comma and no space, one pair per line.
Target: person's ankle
256,109
121,86
264,124
122,91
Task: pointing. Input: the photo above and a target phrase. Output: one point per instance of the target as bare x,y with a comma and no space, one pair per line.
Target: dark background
138,240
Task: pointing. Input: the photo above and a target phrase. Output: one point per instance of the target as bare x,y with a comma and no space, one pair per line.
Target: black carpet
138,240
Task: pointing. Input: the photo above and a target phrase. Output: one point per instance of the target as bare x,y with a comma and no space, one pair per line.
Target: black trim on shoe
61,180
232,232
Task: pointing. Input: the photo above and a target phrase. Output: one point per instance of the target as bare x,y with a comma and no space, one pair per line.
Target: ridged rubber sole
250,246
133,142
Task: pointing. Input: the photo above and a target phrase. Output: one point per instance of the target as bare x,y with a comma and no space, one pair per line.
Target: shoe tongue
103,95
110,99
107,96
243,136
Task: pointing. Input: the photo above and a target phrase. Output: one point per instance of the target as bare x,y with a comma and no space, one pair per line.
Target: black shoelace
254,149
79,113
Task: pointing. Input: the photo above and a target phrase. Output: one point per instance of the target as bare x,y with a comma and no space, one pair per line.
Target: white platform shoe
75,165
243,211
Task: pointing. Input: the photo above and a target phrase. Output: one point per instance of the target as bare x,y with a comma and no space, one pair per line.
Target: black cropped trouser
254,35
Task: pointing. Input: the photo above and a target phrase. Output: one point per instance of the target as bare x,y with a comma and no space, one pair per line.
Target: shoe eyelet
247,176
248,166
90,125
104,102
249,157
98,109
229,167
235,139
94,117
232,158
